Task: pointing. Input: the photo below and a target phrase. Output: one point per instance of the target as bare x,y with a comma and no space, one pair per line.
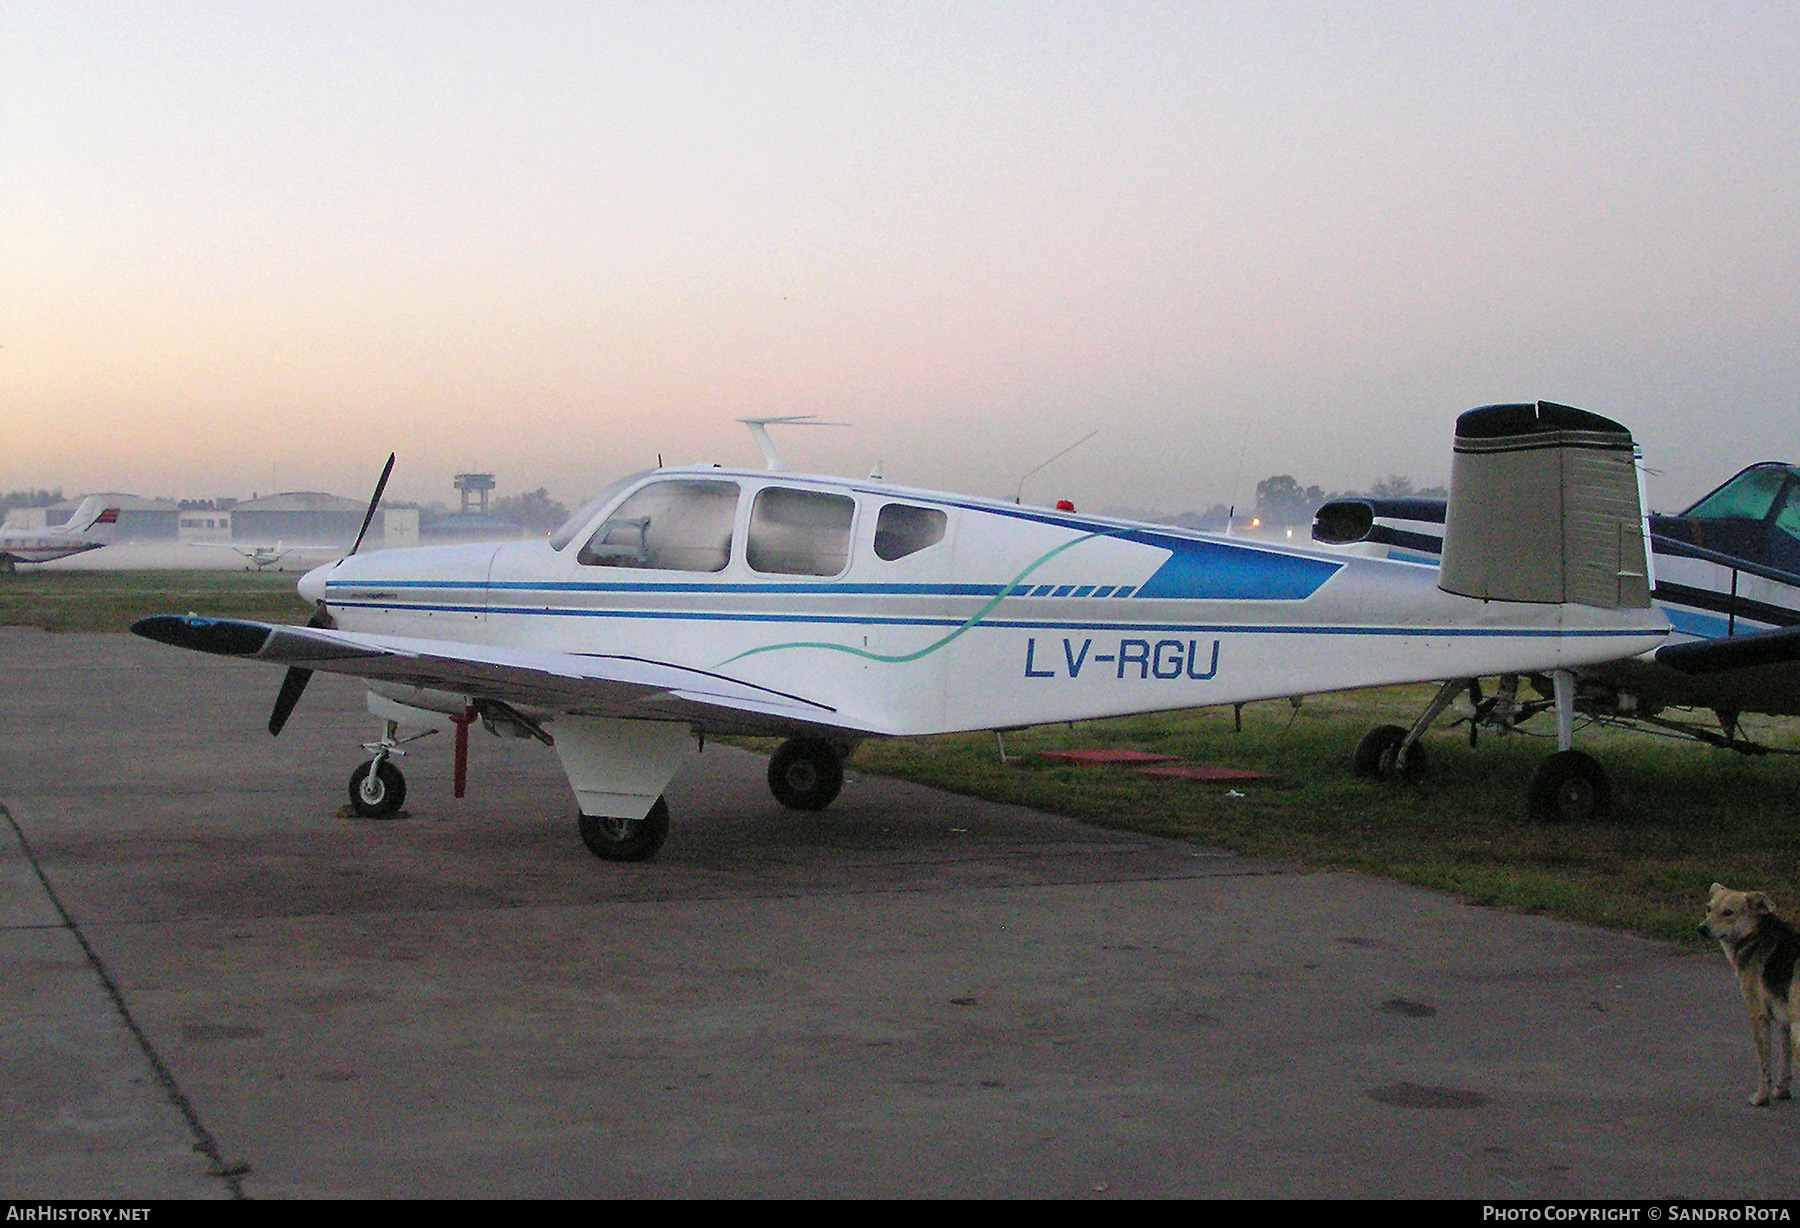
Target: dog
1763,950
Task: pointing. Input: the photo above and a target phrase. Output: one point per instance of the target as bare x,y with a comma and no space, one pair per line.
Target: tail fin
95,518
1545,507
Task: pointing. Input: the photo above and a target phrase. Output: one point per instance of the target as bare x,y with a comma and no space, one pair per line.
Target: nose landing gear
377,789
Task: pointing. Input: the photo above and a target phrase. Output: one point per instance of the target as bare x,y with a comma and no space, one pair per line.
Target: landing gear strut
806,773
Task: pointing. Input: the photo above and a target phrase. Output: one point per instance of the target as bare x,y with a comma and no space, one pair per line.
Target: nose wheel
377,790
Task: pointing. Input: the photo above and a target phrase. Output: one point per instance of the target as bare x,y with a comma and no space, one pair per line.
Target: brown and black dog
1762,949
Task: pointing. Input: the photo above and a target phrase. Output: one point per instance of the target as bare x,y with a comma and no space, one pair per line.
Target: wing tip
219,636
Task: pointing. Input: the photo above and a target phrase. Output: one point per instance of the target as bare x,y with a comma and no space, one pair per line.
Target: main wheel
627,839
1382,740
380,795
1568,787
806,773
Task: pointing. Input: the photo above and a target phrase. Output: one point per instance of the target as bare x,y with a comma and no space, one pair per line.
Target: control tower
474,488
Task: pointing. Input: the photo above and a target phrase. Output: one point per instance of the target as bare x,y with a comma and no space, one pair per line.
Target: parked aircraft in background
694,601
1726,572
262,557
91,527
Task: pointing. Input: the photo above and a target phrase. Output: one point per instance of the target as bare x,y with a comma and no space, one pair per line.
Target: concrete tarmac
212,986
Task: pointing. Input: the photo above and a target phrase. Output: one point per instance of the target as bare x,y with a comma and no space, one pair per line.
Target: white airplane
91,527
692,601
260,556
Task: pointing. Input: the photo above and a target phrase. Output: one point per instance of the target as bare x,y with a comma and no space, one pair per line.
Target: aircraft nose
312,584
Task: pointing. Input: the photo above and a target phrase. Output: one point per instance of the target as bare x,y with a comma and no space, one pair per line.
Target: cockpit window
585,513
902,529
1749,496
678,525
800,532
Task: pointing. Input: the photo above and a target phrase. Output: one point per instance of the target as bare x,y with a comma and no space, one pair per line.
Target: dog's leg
1784,1052
1759,1032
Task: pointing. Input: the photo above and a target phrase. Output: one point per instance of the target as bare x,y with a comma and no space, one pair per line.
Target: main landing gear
1568,787
806,773
627,839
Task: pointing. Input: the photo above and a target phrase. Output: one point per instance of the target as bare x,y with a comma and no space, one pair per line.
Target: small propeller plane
1726,572
91,527
260,557
684,602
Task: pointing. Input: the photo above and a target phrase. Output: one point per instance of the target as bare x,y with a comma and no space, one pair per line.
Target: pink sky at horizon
252,248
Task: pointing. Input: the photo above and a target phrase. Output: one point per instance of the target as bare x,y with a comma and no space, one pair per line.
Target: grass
72,600
1683,815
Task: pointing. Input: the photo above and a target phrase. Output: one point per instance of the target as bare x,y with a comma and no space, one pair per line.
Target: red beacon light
1065,505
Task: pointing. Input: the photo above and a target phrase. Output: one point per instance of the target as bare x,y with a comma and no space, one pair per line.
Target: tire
1366,761
380,798
1568,787
627,839
1412,769
806,773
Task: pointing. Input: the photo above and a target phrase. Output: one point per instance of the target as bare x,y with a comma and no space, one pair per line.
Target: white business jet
692,601
91,527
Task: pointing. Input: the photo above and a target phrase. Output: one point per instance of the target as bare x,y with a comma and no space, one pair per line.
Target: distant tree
1282,500
533,510
1399,486
31,498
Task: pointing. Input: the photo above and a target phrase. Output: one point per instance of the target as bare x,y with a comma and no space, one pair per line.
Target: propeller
294,684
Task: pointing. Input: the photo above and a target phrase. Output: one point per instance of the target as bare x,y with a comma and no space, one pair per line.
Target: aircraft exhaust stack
1544,507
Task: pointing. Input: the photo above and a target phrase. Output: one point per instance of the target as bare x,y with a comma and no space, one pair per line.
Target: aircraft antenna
759,432
1238,476
1019,493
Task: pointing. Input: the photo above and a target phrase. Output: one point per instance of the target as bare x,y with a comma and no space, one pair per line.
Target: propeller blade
291,688
373,504
297,678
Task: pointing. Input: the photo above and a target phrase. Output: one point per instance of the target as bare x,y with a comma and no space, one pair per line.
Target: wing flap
591,684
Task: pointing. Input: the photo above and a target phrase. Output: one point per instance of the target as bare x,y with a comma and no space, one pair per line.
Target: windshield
591,508
1750,495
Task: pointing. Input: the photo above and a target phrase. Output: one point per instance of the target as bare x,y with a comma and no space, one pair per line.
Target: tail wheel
612,839
806,773
1568,787
377,795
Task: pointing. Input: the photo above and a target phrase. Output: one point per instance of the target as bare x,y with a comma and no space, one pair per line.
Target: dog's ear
1759,902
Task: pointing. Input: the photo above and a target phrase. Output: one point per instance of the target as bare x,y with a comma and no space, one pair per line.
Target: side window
668,526
902,529
800,532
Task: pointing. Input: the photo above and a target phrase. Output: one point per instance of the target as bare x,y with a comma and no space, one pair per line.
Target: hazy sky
254,246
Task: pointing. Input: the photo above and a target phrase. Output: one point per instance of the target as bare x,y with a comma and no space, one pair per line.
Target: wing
588,684
1749,673
1740,673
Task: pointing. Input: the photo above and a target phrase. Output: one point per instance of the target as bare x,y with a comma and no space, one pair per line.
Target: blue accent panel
1042,590
1215,571
1083,591
1688,622
1124,590
1105,590
1064,591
